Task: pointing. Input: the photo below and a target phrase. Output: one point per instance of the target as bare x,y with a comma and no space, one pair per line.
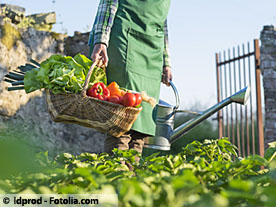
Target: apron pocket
145,54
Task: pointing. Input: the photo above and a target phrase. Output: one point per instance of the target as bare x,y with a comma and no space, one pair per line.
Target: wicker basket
83,110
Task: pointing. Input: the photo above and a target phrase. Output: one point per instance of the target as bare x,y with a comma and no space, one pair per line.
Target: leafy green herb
62,74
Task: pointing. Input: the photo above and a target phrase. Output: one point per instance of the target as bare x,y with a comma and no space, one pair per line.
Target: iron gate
242,124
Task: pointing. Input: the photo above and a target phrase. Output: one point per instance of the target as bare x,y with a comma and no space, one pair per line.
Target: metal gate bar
251,106
259,102
238,122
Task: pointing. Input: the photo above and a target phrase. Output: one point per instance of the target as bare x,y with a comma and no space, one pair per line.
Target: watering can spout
165,134
242,96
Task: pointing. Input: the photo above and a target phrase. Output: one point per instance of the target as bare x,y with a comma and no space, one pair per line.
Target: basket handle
87,79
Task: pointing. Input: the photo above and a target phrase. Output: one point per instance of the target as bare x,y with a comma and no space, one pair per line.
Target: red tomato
138,99
121,99
114,99
129,99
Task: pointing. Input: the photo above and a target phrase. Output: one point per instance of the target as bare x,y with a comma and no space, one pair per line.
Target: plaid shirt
104,21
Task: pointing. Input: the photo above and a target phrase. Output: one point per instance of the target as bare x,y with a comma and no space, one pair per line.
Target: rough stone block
270,106
43,18
270,94
268,27
271,115
15,13
269,133
77,44
270,124
269,73
268,39
269,83
12,8
268,50
268,64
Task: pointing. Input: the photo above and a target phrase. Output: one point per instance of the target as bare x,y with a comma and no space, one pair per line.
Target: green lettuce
63,74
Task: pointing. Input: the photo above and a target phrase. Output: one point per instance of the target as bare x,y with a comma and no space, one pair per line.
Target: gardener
130,36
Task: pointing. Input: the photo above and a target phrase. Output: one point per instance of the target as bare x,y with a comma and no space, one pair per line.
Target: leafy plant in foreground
204,174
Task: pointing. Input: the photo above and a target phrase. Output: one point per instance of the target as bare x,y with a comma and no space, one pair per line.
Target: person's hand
100,53
166,75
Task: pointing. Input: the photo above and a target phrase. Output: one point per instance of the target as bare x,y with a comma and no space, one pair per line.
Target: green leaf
63,74
98,75
31,83
270,153
84,61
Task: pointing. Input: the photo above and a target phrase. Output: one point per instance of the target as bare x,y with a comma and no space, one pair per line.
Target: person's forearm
103,22
166,54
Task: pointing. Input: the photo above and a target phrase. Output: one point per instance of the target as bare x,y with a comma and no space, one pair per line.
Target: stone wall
268,67
76,44
26,114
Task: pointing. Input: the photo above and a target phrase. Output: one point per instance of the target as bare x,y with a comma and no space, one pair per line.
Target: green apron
135,52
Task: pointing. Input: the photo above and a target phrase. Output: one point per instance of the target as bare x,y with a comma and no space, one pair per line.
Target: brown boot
137,143
132,140
116,142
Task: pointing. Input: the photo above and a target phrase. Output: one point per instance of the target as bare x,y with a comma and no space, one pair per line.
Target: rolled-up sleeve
166,54
104,19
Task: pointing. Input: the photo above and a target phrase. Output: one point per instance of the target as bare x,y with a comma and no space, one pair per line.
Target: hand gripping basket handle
87,79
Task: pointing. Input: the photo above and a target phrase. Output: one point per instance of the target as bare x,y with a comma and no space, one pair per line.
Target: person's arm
166,54
100,33
167,75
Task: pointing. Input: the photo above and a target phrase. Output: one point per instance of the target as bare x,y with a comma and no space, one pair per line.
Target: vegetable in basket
66,74
62,74
114,89
115,99
114,94
129,99
68,104
99,90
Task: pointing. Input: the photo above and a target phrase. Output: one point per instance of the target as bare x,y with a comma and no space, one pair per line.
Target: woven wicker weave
90,112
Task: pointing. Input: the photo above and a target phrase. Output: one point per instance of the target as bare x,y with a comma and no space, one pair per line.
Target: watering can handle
177,100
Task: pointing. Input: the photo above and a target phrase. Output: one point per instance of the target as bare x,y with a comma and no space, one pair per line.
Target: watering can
165,133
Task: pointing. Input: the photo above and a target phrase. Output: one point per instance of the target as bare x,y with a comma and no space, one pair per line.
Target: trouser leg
137,141
132,140
116,142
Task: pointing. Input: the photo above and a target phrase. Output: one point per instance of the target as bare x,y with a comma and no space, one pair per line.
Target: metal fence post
218,97
259,102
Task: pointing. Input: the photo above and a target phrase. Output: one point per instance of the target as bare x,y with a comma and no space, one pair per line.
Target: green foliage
62,74
203,174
